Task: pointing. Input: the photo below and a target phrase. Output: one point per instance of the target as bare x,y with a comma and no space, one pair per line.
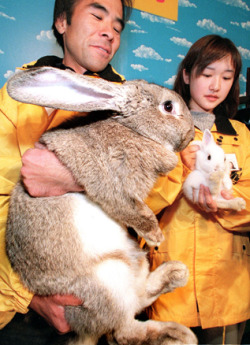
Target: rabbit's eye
209,157
168,106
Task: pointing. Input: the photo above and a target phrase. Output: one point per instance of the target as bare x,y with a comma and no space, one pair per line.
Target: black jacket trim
223,125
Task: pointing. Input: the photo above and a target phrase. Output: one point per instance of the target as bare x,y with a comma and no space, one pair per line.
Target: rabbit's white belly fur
98,232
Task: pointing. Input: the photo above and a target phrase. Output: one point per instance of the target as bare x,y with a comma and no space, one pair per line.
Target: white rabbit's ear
60,89
207,138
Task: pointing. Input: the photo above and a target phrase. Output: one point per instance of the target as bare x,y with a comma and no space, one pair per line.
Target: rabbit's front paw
154,237
176,275
215,179
216,176
167,277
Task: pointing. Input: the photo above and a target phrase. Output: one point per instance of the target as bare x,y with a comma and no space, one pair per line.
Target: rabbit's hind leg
84,340
154,333
237,204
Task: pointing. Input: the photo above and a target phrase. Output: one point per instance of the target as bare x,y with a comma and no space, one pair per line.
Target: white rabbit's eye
168,106
209,157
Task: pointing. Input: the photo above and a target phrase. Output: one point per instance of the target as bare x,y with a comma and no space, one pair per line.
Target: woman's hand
44,175
205,201
188,156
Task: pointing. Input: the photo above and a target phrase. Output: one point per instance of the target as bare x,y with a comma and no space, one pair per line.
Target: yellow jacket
215,247
21,125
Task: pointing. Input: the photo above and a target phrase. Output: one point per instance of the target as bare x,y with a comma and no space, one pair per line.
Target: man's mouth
104,49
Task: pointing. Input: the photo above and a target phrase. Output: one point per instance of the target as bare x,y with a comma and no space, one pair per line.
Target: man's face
93,37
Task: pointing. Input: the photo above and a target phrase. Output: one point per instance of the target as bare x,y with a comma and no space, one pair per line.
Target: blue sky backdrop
152,46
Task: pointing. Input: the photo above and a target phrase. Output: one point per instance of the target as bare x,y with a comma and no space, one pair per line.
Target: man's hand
51,308
188,156
44,175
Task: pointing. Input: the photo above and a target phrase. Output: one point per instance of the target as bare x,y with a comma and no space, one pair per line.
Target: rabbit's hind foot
155,333
83,340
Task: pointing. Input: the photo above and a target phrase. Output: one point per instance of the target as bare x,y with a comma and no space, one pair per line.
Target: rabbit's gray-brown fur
77,243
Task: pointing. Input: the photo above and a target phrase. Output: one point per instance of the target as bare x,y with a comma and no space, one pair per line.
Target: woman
213,243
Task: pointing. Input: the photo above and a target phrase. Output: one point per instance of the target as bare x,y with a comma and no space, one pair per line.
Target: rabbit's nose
219,167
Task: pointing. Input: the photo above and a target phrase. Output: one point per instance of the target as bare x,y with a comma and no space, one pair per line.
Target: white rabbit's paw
241,204
216,176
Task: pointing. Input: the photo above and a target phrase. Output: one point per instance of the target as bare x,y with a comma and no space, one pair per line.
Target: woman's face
212,86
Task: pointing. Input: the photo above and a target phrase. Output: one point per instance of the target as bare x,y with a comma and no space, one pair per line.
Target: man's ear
186,77
61,23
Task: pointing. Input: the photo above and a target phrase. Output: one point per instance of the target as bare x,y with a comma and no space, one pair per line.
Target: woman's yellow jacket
215,247
21,125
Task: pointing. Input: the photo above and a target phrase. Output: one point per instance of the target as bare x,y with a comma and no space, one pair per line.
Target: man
89,33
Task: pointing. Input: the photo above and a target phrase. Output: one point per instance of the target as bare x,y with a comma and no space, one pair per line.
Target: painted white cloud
8,74
147,53
139,68
168,60
170,81
245,53
136,31
236,3
243,78
181,41
235,23
180,56
211,26
4,15
156,19
1,52
45,35
186,3
246,25
133,23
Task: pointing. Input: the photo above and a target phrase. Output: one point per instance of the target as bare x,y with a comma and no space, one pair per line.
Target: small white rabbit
212,169
78,243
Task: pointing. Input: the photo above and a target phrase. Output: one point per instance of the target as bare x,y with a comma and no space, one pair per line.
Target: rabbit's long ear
207,138
55,88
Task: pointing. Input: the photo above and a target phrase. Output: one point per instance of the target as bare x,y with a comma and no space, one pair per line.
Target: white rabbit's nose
219,167
169,107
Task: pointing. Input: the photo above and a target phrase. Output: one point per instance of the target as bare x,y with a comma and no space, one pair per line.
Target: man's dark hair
66,7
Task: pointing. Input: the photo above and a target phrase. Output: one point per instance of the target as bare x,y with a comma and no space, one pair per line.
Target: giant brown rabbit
78,243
